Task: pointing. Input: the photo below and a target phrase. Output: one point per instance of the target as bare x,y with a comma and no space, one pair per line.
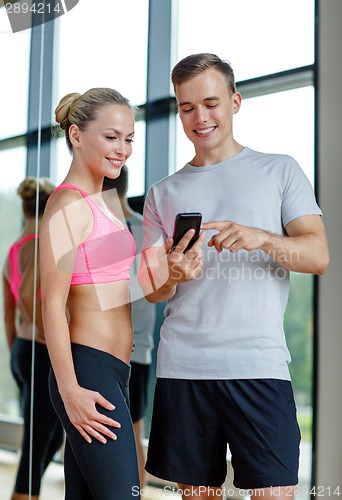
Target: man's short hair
195,64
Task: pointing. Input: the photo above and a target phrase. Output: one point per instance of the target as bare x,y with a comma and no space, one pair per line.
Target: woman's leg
21,368
76,487
110,468
47,431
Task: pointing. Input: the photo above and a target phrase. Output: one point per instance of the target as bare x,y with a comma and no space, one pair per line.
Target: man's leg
139,436
138,385
260,420
186,444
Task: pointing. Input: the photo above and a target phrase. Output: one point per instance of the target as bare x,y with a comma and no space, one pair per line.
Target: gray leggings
99,471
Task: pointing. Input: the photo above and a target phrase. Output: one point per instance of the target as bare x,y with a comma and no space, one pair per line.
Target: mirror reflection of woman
86,253
23,322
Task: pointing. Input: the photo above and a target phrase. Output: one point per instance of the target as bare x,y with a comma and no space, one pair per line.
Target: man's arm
303,249
161,270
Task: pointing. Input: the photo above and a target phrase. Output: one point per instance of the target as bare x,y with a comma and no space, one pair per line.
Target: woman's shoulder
66,201
66,212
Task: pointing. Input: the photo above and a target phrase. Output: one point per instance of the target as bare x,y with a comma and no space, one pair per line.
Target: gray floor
53,481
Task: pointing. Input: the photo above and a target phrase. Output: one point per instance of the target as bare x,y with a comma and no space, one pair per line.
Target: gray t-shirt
228,322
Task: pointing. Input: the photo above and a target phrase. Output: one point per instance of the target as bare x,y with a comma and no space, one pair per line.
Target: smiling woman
89,337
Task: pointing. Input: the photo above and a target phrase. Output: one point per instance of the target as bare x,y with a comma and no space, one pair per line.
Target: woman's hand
162,269
184,266
83,414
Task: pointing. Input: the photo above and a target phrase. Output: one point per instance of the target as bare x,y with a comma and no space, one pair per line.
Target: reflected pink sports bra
15,276
106,255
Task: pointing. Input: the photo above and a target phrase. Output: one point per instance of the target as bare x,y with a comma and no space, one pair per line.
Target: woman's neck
30,225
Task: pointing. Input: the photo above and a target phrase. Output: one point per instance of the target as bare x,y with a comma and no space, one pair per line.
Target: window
267,123
103,44
14,161
258,38
14,82
282,122
107,49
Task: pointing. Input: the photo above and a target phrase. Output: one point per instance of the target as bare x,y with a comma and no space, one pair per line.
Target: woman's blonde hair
80,109
27,191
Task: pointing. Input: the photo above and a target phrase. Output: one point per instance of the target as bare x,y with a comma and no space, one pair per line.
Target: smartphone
183,223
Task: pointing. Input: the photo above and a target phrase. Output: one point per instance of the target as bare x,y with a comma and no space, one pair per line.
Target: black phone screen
183,223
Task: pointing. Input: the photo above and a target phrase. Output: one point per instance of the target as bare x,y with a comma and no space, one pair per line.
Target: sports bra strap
71,186
15,276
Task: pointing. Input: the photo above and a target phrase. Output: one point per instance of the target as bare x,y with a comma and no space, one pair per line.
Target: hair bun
63,109
27,188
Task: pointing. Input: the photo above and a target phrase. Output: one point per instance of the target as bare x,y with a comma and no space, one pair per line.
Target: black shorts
194,420
138,384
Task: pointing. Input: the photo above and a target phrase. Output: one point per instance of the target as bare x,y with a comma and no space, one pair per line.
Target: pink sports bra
15,276
106,255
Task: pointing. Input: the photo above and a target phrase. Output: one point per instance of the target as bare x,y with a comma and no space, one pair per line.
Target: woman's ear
74,135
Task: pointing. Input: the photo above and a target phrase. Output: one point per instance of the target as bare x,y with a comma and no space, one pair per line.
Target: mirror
26,145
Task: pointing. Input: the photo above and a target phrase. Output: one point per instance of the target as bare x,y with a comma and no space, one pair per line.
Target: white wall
329,416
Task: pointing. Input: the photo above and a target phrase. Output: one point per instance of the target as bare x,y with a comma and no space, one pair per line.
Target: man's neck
207,158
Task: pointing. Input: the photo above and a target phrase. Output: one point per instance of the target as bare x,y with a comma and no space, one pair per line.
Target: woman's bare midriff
25,329
100,317
29,334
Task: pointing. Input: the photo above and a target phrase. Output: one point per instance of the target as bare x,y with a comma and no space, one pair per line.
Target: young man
222,360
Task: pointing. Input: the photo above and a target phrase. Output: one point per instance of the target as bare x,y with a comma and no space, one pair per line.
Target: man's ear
74,135
237,98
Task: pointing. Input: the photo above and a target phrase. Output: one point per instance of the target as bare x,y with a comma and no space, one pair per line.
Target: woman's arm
9,310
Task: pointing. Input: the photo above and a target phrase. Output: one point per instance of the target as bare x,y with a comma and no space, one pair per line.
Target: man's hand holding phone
185,255
184,222
164,267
